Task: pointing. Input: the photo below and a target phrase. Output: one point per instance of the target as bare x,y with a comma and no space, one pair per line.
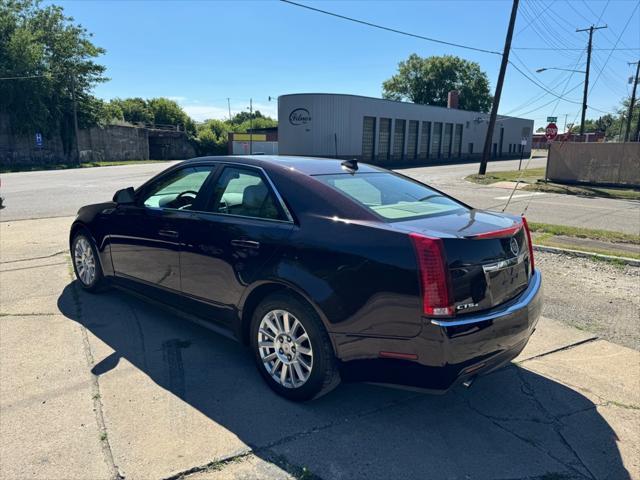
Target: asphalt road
31,195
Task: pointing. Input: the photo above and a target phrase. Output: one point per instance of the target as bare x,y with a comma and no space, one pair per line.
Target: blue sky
201,52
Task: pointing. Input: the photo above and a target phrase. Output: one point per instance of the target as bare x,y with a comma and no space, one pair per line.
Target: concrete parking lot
107,386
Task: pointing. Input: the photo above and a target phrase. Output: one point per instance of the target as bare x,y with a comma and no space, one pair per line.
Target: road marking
523,195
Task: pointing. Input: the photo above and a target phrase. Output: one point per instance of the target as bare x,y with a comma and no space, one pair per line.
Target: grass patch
531,175
612,252
579,232
585,190
65,166
534,178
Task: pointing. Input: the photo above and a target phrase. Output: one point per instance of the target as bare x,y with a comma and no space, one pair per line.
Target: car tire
307,352
86,263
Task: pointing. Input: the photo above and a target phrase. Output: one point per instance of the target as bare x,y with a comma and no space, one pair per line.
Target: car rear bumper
447,352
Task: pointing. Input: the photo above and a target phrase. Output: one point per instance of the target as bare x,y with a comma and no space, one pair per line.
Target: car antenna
350,164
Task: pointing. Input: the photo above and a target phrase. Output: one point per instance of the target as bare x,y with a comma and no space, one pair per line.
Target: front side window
177,190
244,192
391,196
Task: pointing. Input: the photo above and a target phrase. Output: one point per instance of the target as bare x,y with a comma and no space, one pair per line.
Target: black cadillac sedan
327,269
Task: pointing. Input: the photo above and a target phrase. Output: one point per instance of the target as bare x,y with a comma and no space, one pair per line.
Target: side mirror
125,196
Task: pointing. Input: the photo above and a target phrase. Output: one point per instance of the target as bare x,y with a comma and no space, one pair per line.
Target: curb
578,253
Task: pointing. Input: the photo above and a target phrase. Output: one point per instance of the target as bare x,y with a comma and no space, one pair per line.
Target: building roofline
398,101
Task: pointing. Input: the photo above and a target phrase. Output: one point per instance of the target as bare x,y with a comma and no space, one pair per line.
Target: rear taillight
434,276
504,232
529,242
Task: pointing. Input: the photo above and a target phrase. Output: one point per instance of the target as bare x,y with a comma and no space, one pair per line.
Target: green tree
134,110
53,56
243,116
429,80
212,137
167,112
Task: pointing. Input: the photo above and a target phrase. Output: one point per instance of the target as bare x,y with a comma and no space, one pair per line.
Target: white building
387,132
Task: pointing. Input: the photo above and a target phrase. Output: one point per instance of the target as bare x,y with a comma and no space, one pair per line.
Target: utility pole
250,126
586,77
486,153
75,116
229,105
627,130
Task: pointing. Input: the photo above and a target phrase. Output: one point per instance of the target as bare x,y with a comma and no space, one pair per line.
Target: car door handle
168,233
245,244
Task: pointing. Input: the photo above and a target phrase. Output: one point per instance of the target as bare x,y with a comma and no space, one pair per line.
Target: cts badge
466,306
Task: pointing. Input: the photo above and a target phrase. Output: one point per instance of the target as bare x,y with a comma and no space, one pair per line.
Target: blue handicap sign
38,139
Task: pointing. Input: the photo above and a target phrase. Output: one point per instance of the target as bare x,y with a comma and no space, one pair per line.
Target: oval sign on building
300,116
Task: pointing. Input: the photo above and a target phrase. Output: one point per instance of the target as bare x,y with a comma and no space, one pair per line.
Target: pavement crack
366,413
265,451
561,349
61,252
95,389
213,465
557,424
32,267
552,420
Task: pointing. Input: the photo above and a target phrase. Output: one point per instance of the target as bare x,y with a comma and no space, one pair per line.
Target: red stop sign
551,131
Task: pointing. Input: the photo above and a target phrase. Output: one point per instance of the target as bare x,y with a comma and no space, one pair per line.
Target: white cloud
204,112
201,111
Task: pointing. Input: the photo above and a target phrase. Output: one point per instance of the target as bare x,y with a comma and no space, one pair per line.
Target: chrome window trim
273,187
269,181
523,302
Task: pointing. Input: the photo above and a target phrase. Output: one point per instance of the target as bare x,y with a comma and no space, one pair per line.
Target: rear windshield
390,196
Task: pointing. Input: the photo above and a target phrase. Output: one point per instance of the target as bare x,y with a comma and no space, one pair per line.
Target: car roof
305,165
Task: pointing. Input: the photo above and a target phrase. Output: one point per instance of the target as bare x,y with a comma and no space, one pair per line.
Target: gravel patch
597,296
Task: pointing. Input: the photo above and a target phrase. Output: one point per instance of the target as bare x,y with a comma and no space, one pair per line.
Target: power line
572,49
617,41
393,30
541,86
444,42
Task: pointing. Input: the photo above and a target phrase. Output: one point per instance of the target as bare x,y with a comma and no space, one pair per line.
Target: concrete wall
169,145
109,143
113,143
21,149
309,124
595,163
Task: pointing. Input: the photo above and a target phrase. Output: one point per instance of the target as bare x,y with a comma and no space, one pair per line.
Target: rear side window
390,196
244,192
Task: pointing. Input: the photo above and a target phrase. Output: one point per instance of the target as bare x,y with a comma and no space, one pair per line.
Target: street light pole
496,99
586,77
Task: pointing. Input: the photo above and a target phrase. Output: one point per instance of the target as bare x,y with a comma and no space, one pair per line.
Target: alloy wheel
285,348
85,261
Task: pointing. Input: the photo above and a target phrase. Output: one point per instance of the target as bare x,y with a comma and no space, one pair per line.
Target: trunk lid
487,256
